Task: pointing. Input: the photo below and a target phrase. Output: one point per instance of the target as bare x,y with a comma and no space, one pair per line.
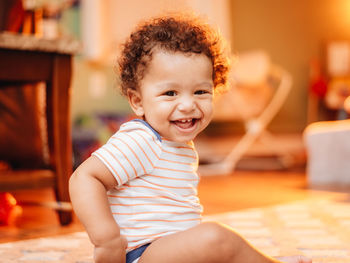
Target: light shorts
134,255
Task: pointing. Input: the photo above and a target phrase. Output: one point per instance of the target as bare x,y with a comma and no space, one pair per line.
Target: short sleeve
131,152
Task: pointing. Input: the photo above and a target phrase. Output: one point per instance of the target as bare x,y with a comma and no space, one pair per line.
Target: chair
29,66
254,73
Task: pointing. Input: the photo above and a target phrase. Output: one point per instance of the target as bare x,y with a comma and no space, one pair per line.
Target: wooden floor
217,193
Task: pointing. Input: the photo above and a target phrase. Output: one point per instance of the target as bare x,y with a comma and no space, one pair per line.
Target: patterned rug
319,229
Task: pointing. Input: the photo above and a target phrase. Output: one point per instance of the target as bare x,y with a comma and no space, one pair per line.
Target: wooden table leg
60,128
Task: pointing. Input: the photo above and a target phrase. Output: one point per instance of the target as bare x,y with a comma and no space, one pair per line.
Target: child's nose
186,104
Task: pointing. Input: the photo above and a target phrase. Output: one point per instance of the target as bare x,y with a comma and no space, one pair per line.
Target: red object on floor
9,210
319,87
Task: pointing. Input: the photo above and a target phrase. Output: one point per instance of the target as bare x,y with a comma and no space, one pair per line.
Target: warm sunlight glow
344,12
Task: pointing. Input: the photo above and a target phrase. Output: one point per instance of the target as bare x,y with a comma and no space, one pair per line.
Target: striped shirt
156,193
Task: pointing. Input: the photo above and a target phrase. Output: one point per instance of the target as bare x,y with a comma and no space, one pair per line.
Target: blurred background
295,34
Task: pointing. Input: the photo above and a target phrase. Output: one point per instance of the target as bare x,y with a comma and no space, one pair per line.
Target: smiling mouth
185,123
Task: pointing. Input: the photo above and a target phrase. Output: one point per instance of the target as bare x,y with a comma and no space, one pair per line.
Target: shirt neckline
150,127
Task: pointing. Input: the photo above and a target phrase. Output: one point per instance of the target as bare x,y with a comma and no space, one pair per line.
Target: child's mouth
185,123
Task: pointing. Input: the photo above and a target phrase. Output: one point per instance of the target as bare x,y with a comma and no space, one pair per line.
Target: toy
9,210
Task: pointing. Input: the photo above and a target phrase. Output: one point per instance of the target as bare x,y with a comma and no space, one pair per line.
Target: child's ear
135,102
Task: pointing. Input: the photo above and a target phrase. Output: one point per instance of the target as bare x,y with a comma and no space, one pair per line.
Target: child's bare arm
87,187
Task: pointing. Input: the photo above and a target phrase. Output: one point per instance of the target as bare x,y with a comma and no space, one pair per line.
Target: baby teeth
183,121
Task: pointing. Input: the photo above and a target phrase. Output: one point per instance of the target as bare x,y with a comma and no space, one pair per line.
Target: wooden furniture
26,59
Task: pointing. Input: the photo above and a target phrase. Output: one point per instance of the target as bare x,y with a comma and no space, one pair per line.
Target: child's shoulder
138,127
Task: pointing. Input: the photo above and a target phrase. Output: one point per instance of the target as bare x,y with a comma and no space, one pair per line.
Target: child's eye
170,93
201,92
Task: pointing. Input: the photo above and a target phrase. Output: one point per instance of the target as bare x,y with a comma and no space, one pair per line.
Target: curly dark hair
175,33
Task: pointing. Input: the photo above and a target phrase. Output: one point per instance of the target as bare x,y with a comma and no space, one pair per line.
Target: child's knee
221,239
213,233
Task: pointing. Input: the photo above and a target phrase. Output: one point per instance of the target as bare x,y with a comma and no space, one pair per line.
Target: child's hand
112,251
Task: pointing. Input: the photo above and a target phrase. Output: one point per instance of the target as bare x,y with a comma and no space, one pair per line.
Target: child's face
176,95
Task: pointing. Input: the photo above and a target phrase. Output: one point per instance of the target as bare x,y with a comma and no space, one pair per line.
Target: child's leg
205,243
